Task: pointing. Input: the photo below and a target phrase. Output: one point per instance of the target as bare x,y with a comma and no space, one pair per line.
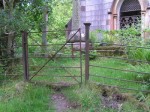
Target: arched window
130,13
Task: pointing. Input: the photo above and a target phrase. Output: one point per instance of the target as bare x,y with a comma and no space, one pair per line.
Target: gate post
25,55
87,29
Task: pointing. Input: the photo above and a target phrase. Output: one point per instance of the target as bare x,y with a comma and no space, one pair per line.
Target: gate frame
25,55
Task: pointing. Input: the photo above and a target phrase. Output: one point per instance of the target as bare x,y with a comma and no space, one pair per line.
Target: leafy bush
94,36
147,55
93,54
109,36
129,36
139,54
106,36
136,53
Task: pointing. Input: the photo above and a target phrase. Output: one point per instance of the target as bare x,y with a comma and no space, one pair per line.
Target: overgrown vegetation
32,98
136,49
85,99
31,15
90,99
115,71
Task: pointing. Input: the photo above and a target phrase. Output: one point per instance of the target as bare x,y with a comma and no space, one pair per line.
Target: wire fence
117,65
128,71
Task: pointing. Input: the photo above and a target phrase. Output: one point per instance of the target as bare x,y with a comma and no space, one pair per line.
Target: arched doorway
115,13
130,13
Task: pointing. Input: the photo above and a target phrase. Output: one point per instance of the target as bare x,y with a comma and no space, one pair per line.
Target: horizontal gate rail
57,75
123,80
57,30
55,67
54,44
120,69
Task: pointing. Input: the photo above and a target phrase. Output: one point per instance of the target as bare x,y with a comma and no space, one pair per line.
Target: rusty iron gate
54,61
105,70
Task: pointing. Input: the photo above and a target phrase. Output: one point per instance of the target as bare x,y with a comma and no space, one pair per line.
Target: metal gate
56,61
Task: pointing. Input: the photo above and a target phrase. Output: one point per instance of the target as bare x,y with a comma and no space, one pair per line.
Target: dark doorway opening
130,13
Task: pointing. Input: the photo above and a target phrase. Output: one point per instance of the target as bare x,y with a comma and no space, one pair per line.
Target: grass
54,73
89,98
33,99
98,73
37,99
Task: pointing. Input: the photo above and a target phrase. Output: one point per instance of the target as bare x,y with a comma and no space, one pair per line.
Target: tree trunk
4,4
9,7
10,42
45,29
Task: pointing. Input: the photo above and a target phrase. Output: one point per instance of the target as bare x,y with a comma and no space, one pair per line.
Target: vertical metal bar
87,28
80,56
72,50
66,27
25,55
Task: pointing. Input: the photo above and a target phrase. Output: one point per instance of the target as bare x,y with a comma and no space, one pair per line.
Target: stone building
113,14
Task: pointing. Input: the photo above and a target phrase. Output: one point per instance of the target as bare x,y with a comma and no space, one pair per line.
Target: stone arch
115,12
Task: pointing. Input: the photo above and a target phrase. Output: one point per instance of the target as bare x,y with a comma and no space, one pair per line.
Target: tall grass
33,99
99,73
90,100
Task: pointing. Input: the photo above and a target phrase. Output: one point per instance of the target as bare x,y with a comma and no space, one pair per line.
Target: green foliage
93,54
60,16
62,11
129,36
16,23
147,55
94,36
109,36
137,54
90,100
130,107
85,96
143,68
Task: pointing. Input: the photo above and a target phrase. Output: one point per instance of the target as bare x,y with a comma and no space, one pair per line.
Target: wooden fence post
87,30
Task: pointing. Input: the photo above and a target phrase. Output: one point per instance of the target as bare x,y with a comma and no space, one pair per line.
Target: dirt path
60,102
